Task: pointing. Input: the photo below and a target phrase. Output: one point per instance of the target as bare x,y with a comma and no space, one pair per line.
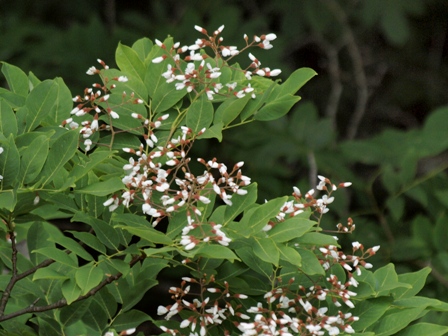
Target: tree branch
62,303
358,68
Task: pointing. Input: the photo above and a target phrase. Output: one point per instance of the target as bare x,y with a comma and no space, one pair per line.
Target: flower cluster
318,206
153,181
95,101
202,72
284,311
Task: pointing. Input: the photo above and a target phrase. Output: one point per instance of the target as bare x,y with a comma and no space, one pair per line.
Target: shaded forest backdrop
376,114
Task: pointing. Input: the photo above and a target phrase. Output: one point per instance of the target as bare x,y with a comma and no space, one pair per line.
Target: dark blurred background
375,115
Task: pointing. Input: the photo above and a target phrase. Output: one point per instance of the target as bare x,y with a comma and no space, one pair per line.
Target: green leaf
370,311
90,240
49,273
148,233
295,81
8,121
13,99
255,219
104,232
70,290
164,95
316,239
214,131
139,226
129,62
230,109
60,152
73,246
266,250
16,78
33,159
310,263
276,108
214,251
130,319
143,47
248,257
415,279
63,104
199,114
8,200
290,255
395,320
102,188
9,162
427,329
240,203
56,255
289,229
386,279
87,277
73,313
40,102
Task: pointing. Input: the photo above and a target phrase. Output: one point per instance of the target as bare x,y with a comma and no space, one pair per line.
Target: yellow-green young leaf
8,121
214,251
16,78
88,277
102,188
266,250
40,102
48,273
70,290
199,114
57,255
276,108
33,159
9,161
62,150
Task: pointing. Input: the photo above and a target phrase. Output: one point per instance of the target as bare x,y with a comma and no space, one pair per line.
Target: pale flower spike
199,79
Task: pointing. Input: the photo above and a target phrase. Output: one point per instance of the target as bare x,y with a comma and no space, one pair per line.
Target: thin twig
334,71
312,175
63,302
